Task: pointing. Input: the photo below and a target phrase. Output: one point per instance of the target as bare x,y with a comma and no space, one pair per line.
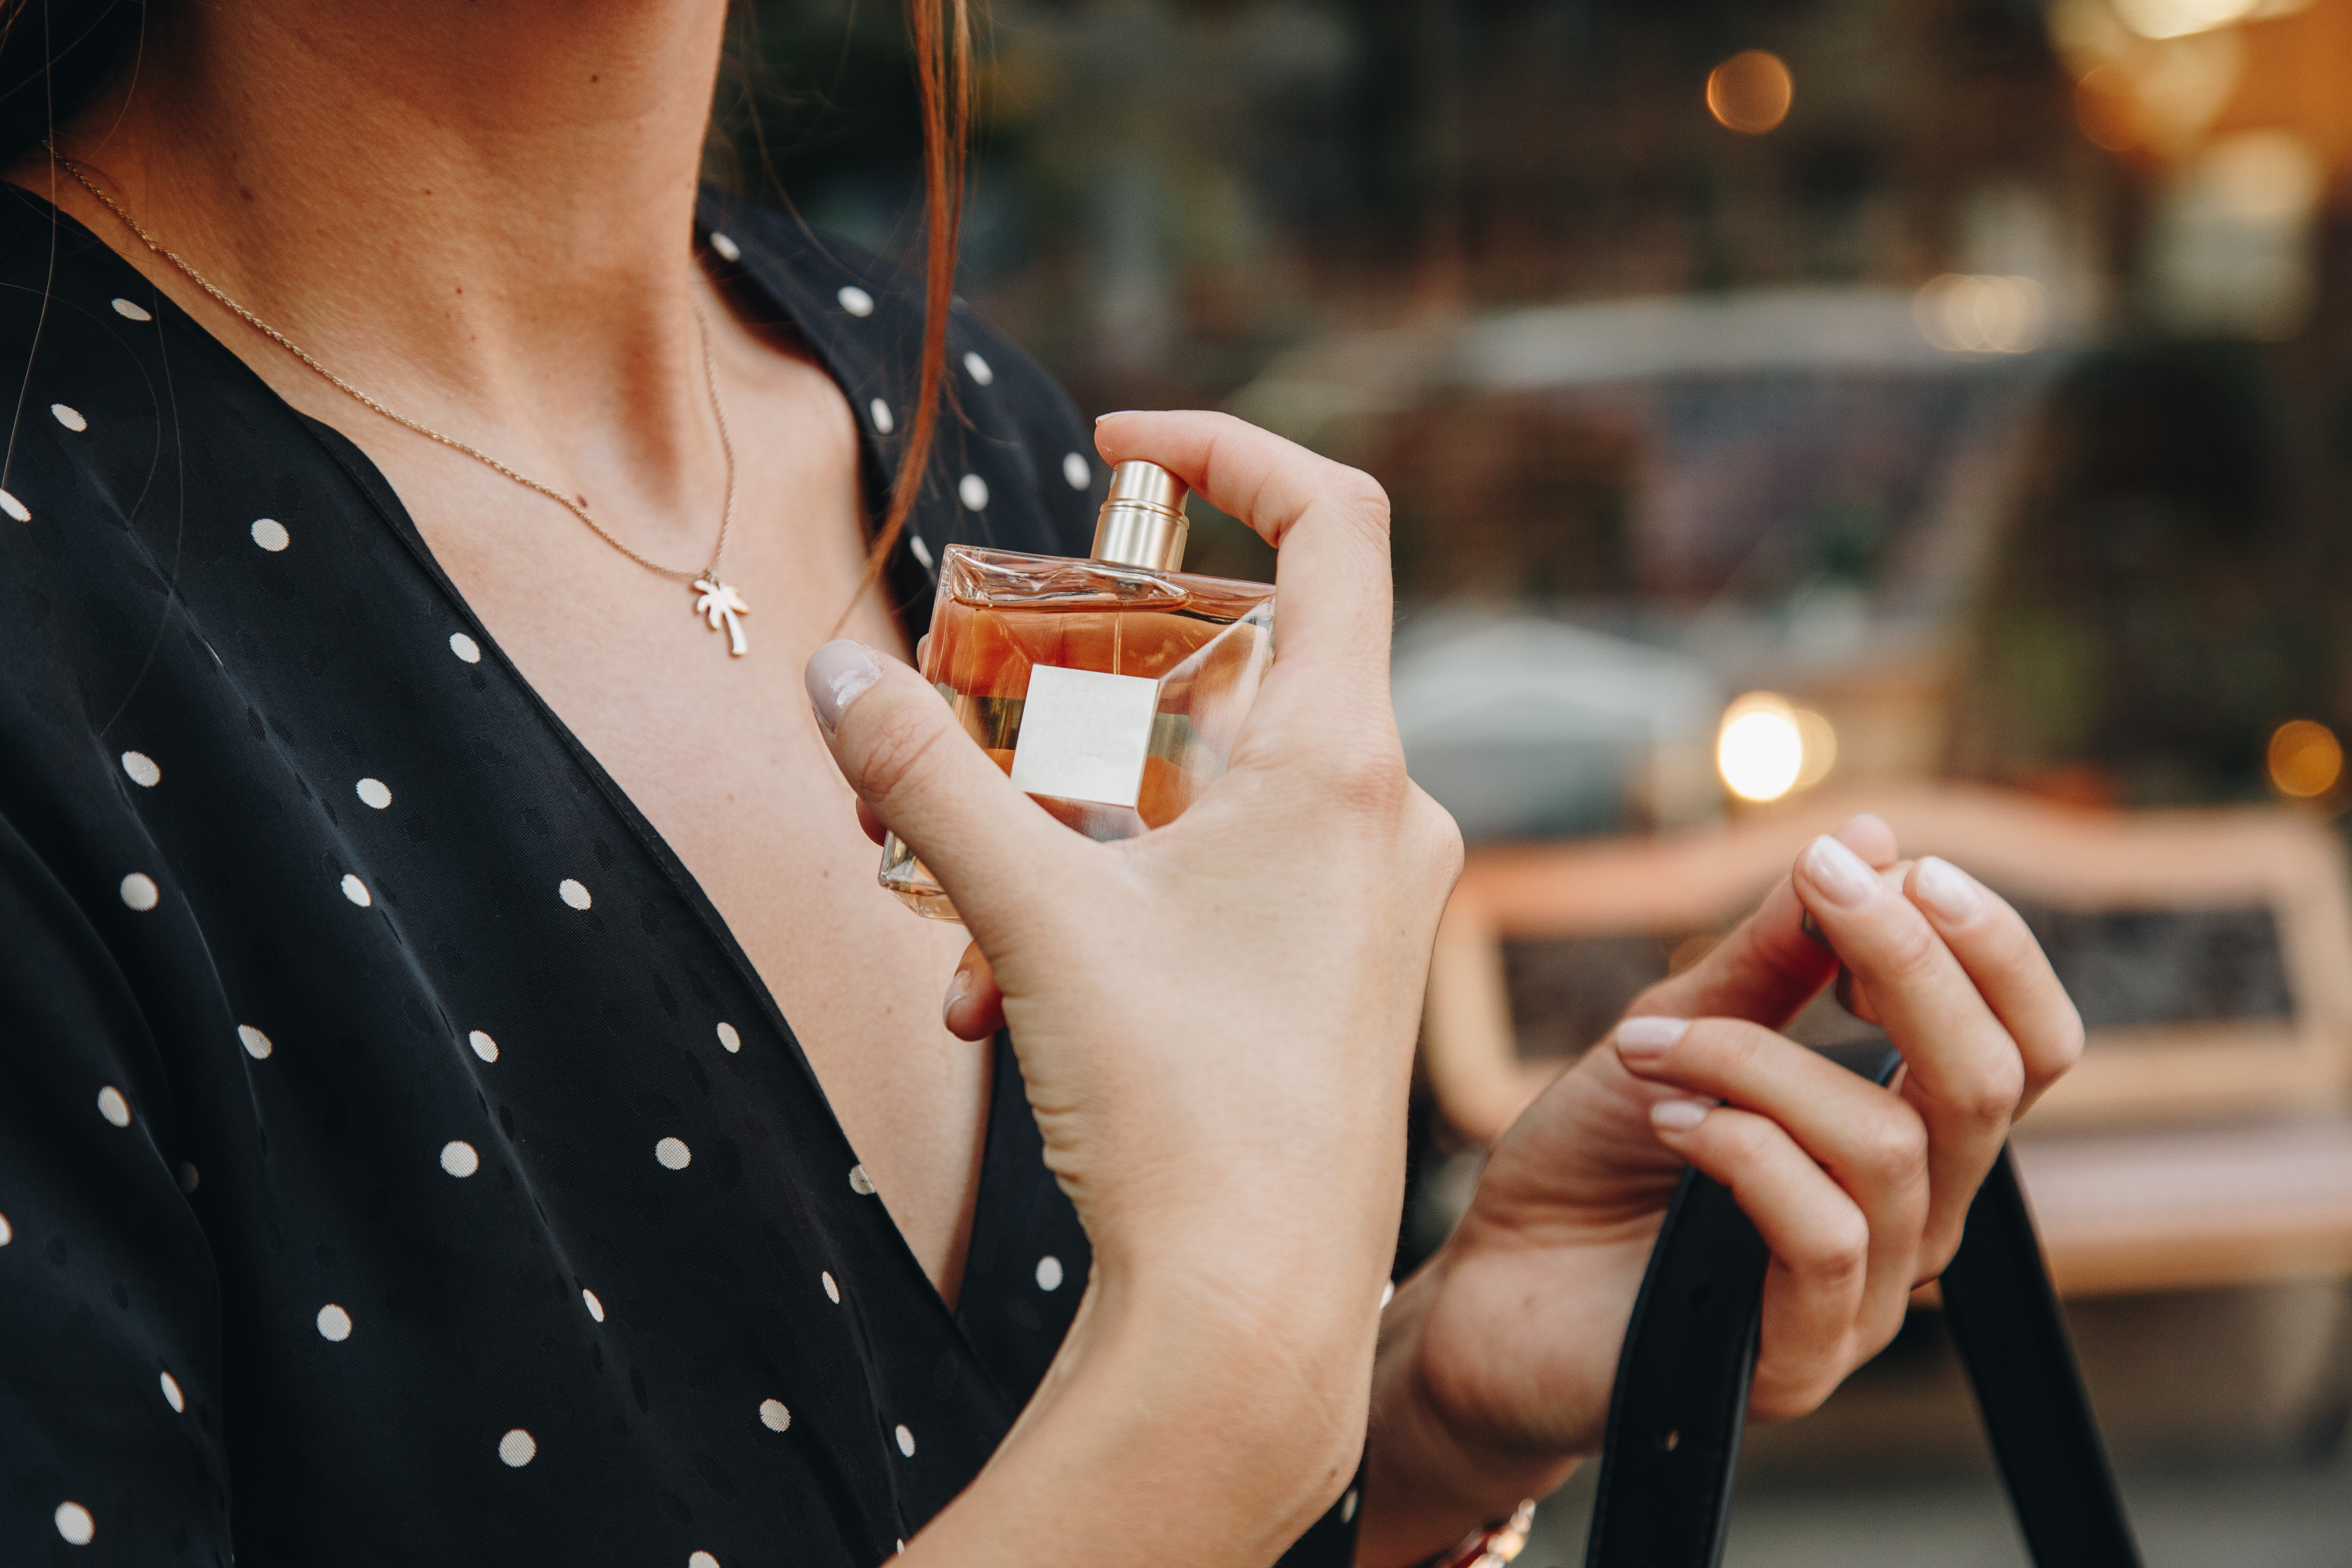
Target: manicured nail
1839,873
1950,894
1680,1115
957,986
1117,414
838,674
1645,1041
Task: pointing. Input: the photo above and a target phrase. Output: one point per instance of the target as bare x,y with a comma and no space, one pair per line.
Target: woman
404,1151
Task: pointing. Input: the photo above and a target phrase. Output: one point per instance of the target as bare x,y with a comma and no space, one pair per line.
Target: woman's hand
1215,1024
1496,1359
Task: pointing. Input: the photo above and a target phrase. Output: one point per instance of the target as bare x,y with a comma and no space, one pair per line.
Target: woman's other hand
1215,1023
1497,1358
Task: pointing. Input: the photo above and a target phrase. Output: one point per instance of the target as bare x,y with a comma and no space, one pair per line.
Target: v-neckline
384,500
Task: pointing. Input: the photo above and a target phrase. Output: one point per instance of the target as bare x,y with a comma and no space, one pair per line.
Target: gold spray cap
1142,522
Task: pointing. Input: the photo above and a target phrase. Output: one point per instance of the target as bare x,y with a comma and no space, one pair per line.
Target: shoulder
1013,464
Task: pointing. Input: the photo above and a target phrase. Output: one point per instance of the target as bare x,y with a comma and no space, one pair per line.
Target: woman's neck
482,209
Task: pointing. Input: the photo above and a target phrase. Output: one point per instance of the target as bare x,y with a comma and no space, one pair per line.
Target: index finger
1328,522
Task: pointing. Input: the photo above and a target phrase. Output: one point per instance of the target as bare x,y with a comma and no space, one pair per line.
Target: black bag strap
1680,1404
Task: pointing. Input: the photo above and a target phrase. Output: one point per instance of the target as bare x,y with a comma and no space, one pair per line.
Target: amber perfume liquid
1112,694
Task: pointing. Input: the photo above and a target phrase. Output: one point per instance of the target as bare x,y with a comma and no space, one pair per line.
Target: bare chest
722,757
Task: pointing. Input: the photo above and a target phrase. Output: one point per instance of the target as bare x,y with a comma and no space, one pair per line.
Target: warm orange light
2108,109
1760,749
1750,92
2306,759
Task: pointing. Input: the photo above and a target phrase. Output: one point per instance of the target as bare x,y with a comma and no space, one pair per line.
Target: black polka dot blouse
399,1160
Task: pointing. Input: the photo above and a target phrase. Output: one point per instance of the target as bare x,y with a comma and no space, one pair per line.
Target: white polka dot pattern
727,248
72,1520
574,893
1076,472
856,300
14,507
130,312
338,669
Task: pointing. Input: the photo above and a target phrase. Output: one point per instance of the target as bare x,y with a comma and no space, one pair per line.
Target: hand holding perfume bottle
1215,1019
1111,689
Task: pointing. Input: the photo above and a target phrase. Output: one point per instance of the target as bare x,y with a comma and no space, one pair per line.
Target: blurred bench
2183,1152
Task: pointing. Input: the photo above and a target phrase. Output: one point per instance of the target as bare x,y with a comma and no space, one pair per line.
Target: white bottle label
1083,735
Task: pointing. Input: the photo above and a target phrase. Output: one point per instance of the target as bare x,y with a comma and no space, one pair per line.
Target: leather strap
1680,1404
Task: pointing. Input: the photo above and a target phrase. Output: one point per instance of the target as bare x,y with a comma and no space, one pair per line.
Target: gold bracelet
1491,1545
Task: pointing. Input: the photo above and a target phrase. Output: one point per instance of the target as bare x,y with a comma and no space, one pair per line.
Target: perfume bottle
1111,689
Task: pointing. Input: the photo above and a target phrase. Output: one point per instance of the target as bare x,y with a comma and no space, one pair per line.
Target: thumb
1768,967
916,768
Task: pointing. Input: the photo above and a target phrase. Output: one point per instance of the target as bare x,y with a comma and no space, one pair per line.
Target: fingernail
1950,893
1645,1041
1680,1115
838,673
1839,873
957,986
1117,414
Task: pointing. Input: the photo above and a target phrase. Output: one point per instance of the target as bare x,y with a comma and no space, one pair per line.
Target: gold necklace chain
716,600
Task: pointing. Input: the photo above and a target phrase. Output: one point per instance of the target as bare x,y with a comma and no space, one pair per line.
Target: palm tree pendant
722,606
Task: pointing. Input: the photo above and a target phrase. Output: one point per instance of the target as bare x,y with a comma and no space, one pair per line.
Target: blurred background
1789,407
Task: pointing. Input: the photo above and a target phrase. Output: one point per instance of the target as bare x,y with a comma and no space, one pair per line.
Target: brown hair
941,34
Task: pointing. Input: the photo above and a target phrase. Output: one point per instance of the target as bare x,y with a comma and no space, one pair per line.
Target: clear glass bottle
1112,689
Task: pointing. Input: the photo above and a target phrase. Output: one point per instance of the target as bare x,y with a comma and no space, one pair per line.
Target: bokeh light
1760,751
1818,737
2306,759
2178,18
1750,92
1965,314
2107,109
